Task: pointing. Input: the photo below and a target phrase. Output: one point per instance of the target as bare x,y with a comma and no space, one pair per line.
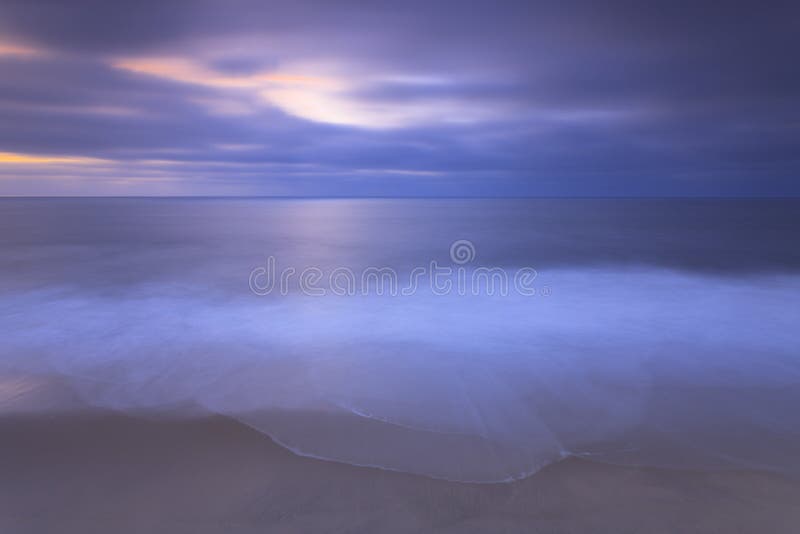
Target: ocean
463,339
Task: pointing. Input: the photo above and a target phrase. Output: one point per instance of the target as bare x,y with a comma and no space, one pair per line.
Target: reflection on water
669,336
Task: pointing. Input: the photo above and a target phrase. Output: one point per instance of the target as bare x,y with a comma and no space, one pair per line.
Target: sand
111,473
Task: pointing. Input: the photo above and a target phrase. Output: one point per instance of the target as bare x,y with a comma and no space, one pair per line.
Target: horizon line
404,197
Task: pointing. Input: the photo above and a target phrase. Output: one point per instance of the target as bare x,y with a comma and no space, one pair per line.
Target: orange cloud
12,158
14,49
328,97
186,71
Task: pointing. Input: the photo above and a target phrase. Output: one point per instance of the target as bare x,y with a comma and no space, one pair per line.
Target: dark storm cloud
518,98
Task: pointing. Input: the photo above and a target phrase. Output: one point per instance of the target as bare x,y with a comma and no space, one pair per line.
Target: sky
411,98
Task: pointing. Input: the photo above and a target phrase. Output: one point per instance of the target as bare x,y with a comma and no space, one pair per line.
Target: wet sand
104,472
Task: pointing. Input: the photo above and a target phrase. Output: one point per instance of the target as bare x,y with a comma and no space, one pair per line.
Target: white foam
525,378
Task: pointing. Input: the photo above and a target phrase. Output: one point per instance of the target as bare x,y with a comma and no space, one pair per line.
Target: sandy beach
104,472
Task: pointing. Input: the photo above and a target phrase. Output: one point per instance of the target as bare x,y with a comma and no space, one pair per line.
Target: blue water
658,332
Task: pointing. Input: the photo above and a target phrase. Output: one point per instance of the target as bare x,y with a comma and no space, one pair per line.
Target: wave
638,366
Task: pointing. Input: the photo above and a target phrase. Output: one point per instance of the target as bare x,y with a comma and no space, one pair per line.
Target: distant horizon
420,197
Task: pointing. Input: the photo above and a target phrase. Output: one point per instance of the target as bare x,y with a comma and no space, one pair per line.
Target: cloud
9,48
346,98
7,158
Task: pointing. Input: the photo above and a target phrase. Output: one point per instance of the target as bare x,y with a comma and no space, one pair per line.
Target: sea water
462,339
